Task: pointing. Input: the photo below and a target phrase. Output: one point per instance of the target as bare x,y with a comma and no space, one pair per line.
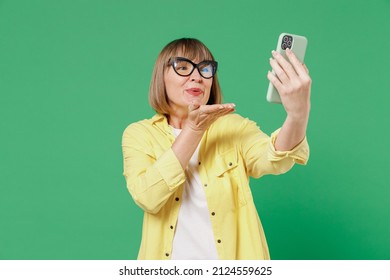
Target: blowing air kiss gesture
188,167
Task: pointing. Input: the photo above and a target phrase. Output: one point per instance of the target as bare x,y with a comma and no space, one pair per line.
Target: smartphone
298,45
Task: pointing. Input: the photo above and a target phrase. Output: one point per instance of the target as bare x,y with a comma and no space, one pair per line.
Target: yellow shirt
231,150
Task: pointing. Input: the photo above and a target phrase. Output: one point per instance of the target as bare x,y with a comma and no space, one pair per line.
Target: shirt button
205,185
199,162
166,254
177,199
171,227
219,241
213,213
230,164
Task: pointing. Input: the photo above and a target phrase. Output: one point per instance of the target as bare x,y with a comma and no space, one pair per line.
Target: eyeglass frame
213,63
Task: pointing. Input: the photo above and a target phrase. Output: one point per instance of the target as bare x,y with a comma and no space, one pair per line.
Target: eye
182,66
206,69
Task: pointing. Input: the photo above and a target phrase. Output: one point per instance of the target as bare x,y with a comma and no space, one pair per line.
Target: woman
188,167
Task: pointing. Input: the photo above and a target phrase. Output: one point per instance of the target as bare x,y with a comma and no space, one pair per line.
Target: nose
195,75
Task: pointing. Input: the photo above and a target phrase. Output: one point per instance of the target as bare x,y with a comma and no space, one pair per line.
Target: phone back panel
298,45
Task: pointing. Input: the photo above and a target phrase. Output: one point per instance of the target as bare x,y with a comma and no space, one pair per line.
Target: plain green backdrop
75,73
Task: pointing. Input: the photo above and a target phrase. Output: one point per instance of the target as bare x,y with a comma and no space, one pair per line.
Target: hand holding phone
298,45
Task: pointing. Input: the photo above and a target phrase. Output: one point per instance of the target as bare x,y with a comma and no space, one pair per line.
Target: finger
224,111
304,66
275,81
229,107
285,65
217,107
207,109
193,106
280,73
298,66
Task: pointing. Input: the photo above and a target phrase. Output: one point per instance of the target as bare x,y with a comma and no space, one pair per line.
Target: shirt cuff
300,153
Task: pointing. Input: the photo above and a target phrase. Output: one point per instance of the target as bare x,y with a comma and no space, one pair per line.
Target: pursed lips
194,91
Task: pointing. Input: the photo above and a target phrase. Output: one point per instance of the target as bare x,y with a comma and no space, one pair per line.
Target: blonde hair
190,48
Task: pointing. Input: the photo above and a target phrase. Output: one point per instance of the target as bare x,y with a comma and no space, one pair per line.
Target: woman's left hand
293,83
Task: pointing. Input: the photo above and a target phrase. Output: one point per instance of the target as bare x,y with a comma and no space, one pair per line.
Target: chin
198,99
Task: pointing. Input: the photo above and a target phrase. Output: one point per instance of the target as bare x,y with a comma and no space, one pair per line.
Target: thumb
193,106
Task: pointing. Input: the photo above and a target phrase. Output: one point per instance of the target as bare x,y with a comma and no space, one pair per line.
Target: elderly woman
188,167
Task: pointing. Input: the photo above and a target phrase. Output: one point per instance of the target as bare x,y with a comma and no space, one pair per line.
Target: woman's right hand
200,117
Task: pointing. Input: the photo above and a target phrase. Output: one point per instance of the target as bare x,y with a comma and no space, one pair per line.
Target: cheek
173,81
208,85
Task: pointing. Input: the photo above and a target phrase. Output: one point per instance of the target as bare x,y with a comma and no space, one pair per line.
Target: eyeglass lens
185,68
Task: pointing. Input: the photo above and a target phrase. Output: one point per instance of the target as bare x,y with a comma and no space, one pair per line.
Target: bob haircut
187,47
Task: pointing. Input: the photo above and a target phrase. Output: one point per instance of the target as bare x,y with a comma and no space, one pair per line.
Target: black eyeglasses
184,67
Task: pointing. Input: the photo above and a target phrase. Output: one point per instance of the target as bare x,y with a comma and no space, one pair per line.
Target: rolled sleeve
151,178
170,169
300,153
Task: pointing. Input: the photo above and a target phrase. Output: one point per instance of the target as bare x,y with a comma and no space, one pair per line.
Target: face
182,91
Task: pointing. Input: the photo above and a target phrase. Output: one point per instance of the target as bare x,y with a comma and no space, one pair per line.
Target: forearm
291,134
294,85
151,179
185,145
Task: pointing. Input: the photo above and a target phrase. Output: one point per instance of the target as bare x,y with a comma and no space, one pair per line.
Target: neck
177,121
178,116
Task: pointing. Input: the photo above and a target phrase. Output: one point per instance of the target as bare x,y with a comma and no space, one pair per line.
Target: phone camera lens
287,42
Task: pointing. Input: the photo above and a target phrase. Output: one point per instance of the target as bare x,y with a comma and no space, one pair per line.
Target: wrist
298,119
302,116
194,132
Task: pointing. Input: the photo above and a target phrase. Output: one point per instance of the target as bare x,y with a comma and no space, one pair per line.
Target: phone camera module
287,42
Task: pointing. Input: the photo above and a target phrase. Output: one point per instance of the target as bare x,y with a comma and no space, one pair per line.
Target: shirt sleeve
299,154
151,180
259,152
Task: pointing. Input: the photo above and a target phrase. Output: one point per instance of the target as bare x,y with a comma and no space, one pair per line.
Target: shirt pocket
228,173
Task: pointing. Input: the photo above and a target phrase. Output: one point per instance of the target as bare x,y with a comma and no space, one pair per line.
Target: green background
74,74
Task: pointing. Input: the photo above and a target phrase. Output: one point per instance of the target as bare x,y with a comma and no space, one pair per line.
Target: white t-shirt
194,238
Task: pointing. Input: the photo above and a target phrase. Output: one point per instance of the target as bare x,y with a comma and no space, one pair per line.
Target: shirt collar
161,122
159,118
